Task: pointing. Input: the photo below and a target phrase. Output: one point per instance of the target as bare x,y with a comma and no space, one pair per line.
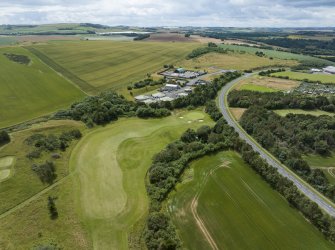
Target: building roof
141,97
166,99
158,95
330,69
172,85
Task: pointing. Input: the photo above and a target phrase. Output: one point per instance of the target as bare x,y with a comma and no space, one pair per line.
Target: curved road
305,188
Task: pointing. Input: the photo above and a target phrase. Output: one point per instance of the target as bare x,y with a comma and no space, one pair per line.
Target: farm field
284,112
24,225
323,78
276,54
233,61
111,163
223,197
266,84
111,64
36,90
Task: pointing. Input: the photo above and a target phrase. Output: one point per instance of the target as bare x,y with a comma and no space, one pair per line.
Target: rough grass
323,78
112,163
28,226
233,61
284,112
29,91
238,209
237,112
111,64
269,83
24,183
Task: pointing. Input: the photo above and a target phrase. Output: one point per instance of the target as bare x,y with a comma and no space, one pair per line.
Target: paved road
302,186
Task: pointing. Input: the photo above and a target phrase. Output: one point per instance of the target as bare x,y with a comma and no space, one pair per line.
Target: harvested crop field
233,61
111,64
274,84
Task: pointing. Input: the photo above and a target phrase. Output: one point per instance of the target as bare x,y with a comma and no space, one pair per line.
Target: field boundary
78,82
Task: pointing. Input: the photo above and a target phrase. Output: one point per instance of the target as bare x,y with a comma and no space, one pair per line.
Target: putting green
110,166
5,166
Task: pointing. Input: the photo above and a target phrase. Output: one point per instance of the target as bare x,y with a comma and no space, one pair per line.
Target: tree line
280,100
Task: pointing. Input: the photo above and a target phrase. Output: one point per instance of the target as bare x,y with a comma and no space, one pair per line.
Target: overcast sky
259,13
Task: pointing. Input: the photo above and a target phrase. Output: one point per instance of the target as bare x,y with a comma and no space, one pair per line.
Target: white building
158,95
315,71
170,87
329,69
142,98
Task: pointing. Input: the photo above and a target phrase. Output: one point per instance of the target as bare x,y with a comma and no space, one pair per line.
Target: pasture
223,204
110,166
30,91
275,54
323,78
233,61
284,112
111,64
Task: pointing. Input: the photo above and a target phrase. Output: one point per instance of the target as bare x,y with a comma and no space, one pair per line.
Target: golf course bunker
6,164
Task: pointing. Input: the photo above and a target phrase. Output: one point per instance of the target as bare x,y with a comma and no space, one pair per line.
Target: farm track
83,85
195,214
304,188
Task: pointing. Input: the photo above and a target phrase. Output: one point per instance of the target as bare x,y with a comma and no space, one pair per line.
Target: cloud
261,13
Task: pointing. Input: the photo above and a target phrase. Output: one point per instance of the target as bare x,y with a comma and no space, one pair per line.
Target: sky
224,13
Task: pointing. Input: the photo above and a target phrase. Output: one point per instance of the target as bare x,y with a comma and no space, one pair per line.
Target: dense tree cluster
205,50
22,59
280,100
289,137
169,164
145,83
51,142
52,208
45,171
270,71
141,37
106,107
4,137
303,46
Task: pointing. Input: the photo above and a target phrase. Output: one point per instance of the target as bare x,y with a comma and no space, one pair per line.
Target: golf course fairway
110,165
223,204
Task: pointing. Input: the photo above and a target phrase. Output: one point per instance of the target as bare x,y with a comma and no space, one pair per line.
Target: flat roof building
141,98
329,69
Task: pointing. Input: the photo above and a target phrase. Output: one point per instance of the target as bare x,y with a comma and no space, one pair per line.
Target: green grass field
224,199
258,88
276,54
29,91
111,64
324,78
284,112
7,40
111,163
318,161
